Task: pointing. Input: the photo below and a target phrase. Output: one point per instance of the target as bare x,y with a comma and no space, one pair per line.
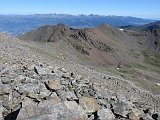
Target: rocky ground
34,86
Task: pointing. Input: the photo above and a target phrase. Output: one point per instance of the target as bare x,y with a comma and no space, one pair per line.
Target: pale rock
28,111
49,102
43,91
27,101
53,99
5,88
28,88
63,70
1,109
7,80
5,70
74,107
41,71
54,85
66,75
90,105
57,111
135,114
33,96
70,96
105,114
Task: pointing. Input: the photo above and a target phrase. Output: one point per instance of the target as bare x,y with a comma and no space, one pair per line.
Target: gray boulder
7,80
90,105
5,89
54,85
59,111
41,71
122,108
105,114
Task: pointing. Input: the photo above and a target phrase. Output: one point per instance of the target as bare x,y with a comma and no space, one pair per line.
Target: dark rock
122,108
155,116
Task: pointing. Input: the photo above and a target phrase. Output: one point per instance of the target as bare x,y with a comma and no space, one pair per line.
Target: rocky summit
40,82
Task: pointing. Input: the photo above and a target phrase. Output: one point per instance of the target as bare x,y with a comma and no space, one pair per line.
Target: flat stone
123,108
41,71
105,114
63,70
54,85
5,70
28,88
70,96
49,102
12,104
74,107
66,75
27,101
1,109
135,115
43,91
59,111
90,105
28,111
5,89
6,80
33,96
53,99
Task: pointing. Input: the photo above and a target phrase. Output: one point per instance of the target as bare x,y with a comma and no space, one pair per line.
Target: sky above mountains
137,8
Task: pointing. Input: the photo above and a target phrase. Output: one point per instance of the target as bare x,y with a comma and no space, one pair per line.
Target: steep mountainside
36,83
151,32
103,45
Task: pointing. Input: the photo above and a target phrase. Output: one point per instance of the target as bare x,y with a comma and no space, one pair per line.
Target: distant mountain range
18,24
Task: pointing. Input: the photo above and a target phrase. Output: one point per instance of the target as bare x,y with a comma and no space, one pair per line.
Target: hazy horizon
79,15
141,9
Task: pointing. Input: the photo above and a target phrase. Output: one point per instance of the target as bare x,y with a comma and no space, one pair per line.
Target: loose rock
90,105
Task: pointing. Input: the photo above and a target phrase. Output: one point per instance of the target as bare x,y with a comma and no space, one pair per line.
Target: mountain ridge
95,43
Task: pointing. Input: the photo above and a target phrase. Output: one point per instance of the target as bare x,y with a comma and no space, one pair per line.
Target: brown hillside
103,45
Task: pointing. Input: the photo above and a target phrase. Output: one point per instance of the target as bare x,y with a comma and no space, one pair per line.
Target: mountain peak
61,25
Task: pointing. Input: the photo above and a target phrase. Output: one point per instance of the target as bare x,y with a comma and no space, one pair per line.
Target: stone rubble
39,93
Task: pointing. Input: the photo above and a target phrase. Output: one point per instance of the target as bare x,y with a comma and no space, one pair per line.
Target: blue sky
138,8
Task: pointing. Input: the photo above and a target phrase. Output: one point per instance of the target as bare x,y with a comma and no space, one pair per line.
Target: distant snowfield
121,29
